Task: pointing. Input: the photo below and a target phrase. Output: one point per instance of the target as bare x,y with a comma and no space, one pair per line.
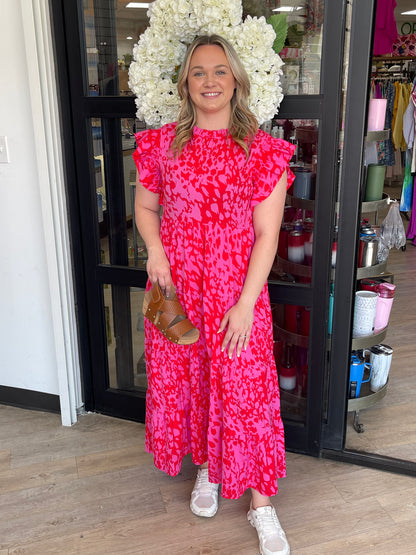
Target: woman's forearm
260,264
158,267
148,225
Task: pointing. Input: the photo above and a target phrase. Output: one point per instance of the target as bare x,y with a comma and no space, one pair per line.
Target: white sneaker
204,498
271,535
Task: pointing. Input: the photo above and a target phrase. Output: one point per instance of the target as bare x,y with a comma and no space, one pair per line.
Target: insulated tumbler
384,304
375,182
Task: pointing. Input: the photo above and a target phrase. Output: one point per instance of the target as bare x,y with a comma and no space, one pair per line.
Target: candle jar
296,247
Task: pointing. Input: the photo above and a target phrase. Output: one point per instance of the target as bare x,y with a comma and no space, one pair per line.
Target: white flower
213,16
161,50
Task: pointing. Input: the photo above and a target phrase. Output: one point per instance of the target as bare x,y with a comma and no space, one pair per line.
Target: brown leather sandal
168,316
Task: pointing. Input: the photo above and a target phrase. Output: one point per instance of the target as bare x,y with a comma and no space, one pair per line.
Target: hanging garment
388,143
386,28
409,124
407,189
402,95
413,99
411,230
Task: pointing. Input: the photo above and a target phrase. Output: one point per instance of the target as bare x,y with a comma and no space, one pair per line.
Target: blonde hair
242,125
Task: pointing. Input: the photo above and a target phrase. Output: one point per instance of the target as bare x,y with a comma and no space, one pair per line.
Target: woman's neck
212,122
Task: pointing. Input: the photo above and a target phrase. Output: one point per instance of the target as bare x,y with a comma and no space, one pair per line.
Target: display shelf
292,268
377,135
374,205
293,405
368,341
364,342
303,203
366,399
292,338
372,271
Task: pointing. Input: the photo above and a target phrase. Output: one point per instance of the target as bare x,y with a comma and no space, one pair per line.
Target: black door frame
351,194
90,274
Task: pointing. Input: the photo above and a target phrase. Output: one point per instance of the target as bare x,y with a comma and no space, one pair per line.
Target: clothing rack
405,72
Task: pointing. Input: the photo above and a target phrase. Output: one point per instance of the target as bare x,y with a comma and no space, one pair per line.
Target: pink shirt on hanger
386,29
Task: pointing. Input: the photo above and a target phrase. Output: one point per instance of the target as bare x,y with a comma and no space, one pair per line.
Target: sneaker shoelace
269,523
204,486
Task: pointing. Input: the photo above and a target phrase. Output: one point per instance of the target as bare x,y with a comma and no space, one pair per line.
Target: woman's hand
158,269
238,321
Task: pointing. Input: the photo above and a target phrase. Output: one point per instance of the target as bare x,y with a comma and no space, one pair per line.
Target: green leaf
279,24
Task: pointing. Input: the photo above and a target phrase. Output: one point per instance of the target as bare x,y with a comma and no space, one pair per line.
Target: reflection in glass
125,236
291,343
294,257
303,47
125,337
111,30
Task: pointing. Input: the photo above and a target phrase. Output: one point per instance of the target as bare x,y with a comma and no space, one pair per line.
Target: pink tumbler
384,304
376,114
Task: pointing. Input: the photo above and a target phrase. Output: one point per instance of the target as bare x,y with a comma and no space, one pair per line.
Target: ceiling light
286,9
411,12
144,5
129,38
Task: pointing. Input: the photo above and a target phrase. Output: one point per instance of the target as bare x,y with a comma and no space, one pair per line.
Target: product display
375,182
357,370
364,313
376,114
302,186
384,305
380,359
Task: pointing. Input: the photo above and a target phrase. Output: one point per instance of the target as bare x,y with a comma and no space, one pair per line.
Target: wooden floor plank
34,475
401,505
5,456
116,459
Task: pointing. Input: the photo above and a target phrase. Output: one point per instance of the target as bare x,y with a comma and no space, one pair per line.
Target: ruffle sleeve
269,159
146,157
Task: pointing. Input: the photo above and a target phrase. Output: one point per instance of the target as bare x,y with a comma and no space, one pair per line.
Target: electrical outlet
4,152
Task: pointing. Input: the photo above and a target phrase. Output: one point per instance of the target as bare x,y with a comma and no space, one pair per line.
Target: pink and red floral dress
198,400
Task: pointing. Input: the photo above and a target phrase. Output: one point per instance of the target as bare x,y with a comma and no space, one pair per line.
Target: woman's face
211,84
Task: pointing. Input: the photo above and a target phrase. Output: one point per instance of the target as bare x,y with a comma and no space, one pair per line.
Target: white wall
38,346
27,353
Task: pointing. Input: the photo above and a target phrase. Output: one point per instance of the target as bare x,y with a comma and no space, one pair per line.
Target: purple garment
411,230
386,29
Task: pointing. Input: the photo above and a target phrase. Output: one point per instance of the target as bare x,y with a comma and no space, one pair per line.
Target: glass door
302,277
109,256
371,414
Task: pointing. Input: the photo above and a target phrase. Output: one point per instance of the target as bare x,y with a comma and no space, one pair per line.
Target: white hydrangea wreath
161,49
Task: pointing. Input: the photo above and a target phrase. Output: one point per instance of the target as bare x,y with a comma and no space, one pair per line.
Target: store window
112,27
291,324
294,258
111,30
303,47
134,252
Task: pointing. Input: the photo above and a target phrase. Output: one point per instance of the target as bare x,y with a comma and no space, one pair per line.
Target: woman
222,184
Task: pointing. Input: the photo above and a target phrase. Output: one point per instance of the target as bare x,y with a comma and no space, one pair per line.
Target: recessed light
411,12
129,38
286,9
144,5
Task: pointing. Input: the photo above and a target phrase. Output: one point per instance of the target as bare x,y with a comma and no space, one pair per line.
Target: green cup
375,182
